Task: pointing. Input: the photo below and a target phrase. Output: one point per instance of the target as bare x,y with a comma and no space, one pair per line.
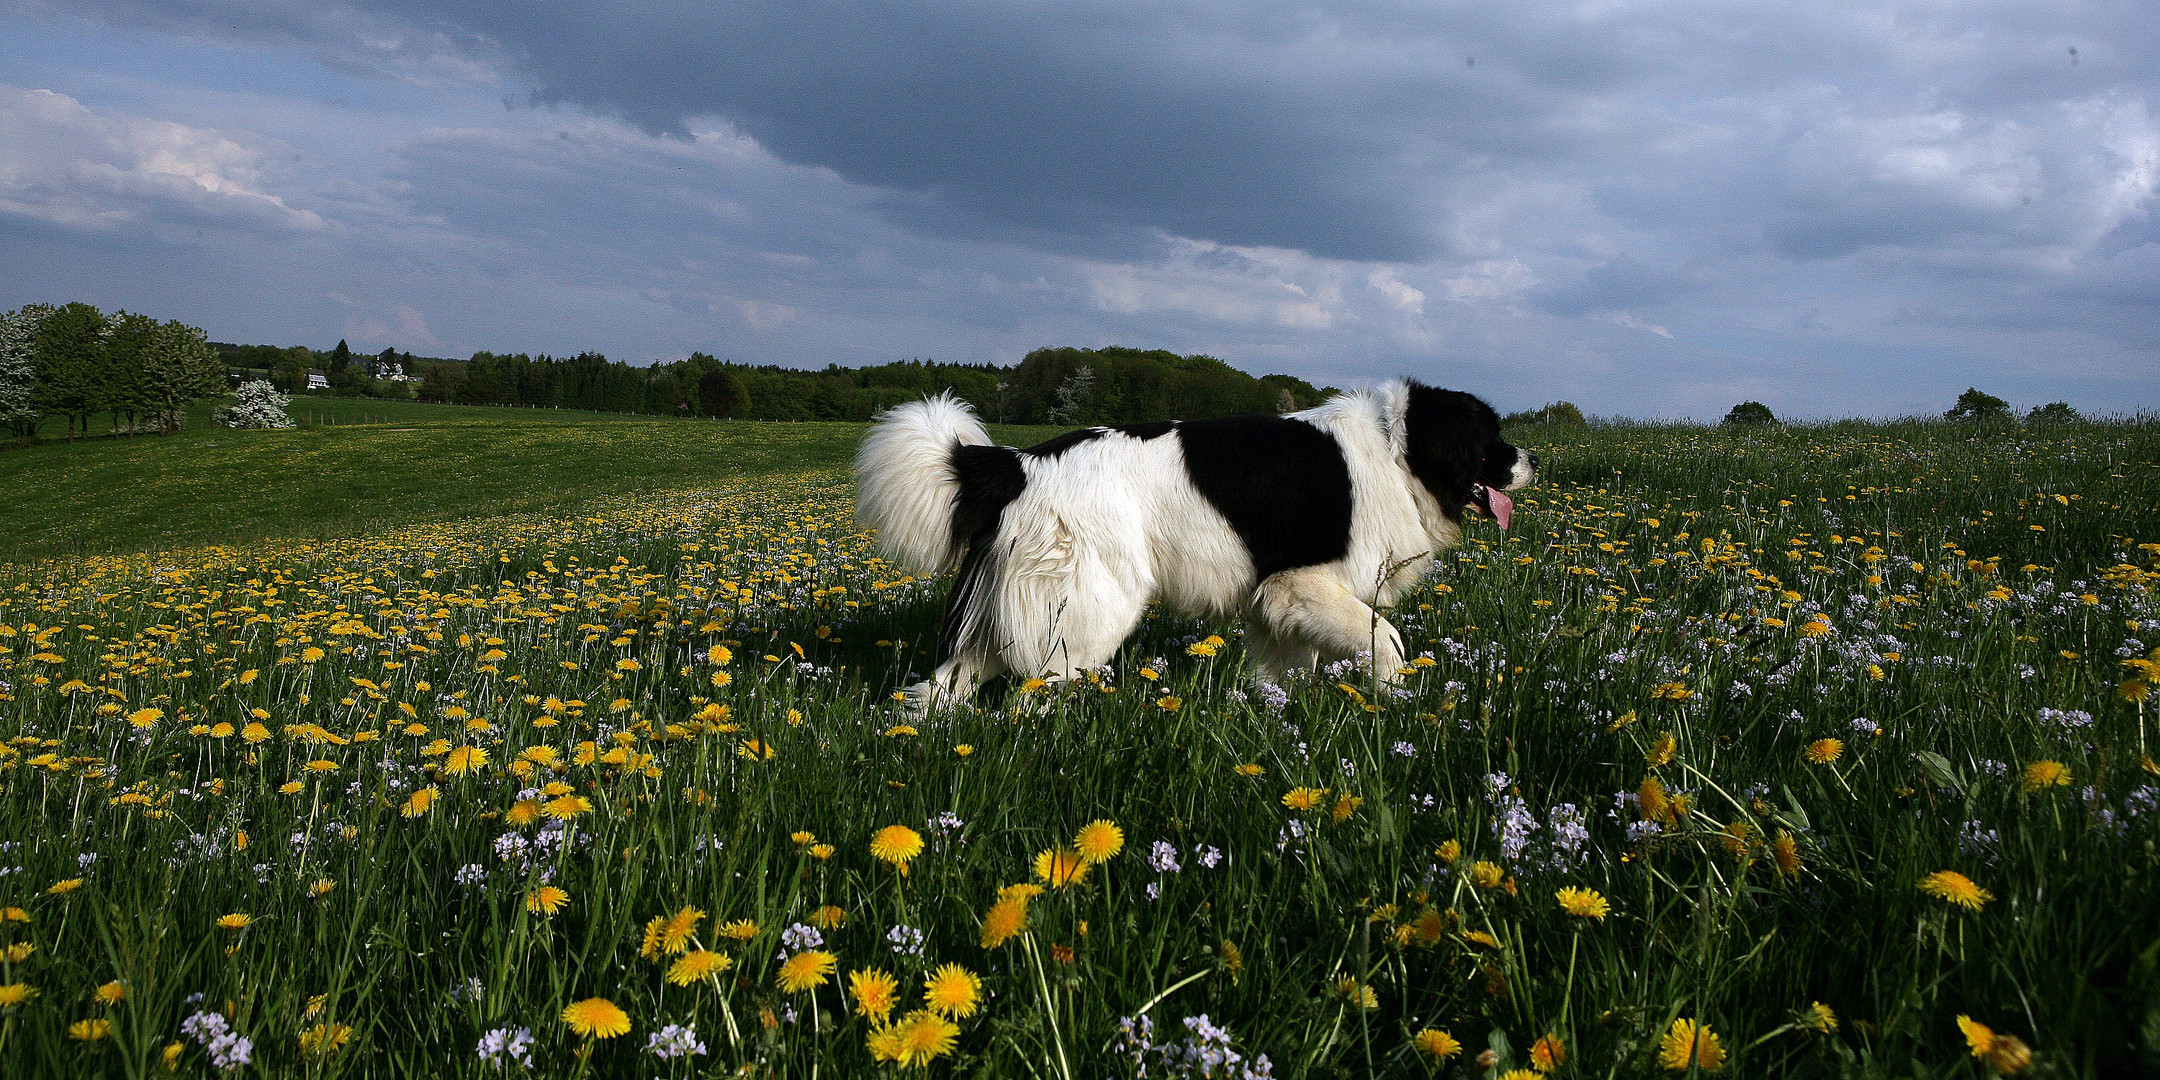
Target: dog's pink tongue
1503,507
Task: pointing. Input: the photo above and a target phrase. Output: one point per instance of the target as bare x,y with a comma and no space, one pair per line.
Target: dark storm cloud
1653,206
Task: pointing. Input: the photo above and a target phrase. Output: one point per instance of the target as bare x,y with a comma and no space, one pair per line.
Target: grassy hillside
356,465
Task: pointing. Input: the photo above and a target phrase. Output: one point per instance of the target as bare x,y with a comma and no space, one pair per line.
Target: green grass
357,464
1676,611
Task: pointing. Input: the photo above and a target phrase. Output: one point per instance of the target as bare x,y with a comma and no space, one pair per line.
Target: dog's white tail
905,486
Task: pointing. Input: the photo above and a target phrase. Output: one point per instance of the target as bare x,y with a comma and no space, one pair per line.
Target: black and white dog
1304,524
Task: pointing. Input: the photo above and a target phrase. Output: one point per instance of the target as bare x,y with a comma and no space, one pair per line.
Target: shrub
258,405
2054,412
1750,414
1975,405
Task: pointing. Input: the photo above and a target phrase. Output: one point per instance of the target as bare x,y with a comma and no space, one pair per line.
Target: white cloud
1401,295
69,165
1629,320
1503,280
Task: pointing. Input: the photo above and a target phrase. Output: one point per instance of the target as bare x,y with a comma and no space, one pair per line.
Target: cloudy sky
1651,209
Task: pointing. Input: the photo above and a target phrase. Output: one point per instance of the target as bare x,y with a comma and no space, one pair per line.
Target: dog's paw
918,701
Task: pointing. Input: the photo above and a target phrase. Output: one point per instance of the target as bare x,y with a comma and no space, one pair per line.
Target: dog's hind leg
1275,655
1313,610
951,685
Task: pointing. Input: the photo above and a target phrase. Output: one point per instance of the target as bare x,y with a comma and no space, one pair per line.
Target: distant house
317,379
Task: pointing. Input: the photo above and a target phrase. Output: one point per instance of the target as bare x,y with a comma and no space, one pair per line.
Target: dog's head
1455,450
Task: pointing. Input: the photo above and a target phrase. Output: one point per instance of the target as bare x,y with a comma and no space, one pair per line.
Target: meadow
1810,751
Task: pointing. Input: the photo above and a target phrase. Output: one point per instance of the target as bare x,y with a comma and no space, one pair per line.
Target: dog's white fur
1112,523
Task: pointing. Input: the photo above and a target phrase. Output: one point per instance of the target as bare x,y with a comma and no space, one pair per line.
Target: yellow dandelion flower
740,930
1302,799
1785,852
1955,888
145,718
565,807
918,1039
254,732
1250,769
62,888
1688,1043
89,1030
1344,807
697,964
522,812
16,995
290,787
952,991
1824,751
238,920
754,750
324,1038
465,759
1979,1038
1437,1045
1661,751
2009,1055
806,970
1061,867
2041,775
1006,918
1485,875
1819,1017
420,802
666,935
1650,798
1548,1053
1099,841
896,844
829,917
546,900
321,765
1357,993
596,1018
1583,903
822,852
874,993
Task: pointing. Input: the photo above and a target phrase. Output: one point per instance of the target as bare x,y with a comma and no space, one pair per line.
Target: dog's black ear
1444,442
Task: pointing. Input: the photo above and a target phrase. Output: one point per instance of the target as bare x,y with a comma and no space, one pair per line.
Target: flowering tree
18,367
259,406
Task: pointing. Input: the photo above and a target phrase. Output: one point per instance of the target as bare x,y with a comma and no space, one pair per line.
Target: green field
356,464
429,739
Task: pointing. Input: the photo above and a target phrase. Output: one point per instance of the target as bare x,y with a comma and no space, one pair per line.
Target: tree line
1055,385
78,363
